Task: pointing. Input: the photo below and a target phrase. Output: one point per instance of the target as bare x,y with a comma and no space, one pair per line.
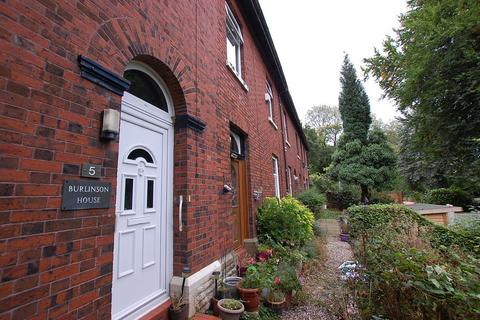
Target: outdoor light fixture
110,124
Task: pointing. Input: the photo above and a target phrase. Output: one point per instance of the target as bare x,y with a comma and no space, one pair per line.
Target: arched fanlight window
140,153
235,144
146,88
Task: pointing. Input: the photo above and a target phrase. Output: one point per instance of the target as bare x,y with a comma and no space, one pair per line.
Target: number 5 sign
91,170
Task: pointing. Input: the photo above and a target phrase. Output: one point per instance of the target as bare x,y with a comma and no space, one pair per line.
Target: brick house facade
224,127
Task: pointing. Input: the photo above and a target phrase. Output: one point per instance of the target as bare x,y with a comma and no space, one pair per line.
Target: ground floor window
276,178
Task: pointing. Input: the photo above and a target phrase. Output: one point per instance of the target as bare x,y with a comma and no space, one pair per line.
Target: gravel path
325,297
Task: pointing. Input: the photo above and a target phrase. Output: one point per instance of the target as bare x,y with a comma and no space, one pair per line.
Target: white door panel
142,254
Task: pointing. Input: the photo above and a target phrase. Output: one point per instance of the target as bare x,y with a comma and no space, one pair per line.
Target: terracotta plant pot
250,298
214,304
288,299
229,314
277,307
178,314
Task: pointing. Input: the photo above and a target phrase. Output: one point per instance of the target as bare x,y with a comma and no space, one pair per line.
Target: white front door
143,229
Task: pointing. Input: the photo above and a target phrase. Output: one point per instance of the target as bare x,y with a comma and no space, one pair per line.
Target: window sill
239,79
272,123
298,157
288,143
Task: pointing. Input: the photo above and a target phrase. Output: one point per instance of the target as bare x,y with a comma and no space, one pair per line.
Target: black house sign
81,194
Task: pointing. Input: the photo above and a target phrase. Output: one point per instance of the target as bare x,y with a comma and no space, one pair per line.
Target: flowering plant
264,253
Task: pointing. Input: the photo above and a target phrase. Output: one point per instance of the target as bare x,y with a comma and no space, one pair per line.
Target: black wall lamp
110,124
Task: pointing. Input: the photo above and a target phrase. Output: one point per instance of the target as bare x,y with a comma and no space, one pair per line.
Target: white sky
311,37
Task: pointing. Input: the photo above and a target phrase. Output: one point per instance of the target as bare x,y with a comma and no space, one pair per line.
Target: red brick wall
58,264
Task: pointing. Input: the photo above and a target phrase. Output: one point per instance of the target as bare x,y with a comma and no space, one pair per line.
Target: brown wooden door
239,205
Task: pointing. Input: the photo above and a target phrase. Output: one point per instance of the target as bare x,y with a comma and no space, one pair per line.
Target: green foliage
312,199
264,313
413,269
431,69
451,196
380,198
368,219
468,229
231,304
353,104
258,275
370,164
288,278
285,221
320,153
342,199
322,182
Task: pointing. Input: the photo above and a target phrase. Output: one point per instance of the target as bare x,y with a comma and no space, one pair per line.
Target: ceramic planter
230,284
345,237
228,314
250,298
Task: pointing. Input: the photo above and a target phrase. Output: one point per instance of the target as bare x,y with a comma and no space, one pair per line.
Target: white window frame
276,176
234,36
269,101
289,177
285,128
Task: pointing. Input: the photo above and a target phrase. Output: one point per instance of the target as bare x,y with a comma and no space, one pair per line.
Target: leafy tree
326,121
392,131
431,69
320,153
363,156
353,104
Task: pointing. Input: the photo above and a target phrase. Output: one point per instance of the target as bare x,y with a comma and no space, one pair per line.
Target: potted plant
264,252
230,309
178,309
244,260
276,300
219,292
249,288
345,228
288,283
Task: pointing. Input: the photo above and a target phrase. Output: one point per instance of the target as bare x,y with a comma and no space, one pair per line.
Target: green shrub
380,198
415,196
341,199
312,199
452,196
285,221
413,269
380,216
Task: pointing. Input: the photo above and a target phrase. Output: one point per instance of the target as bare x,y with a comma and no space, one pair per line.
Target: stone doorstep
159,313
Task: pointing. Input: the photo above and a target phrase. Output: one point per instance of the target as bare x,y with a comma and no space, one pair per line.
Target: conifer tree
353,104
363,156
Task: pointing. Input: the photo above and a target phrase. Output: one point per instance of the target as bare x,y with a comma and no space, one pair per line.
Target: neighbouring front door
142,254
239,206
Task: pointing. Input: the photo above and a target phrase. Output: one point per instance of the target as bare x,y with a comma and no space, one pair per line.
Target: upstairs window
269,101
285,128
234,43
